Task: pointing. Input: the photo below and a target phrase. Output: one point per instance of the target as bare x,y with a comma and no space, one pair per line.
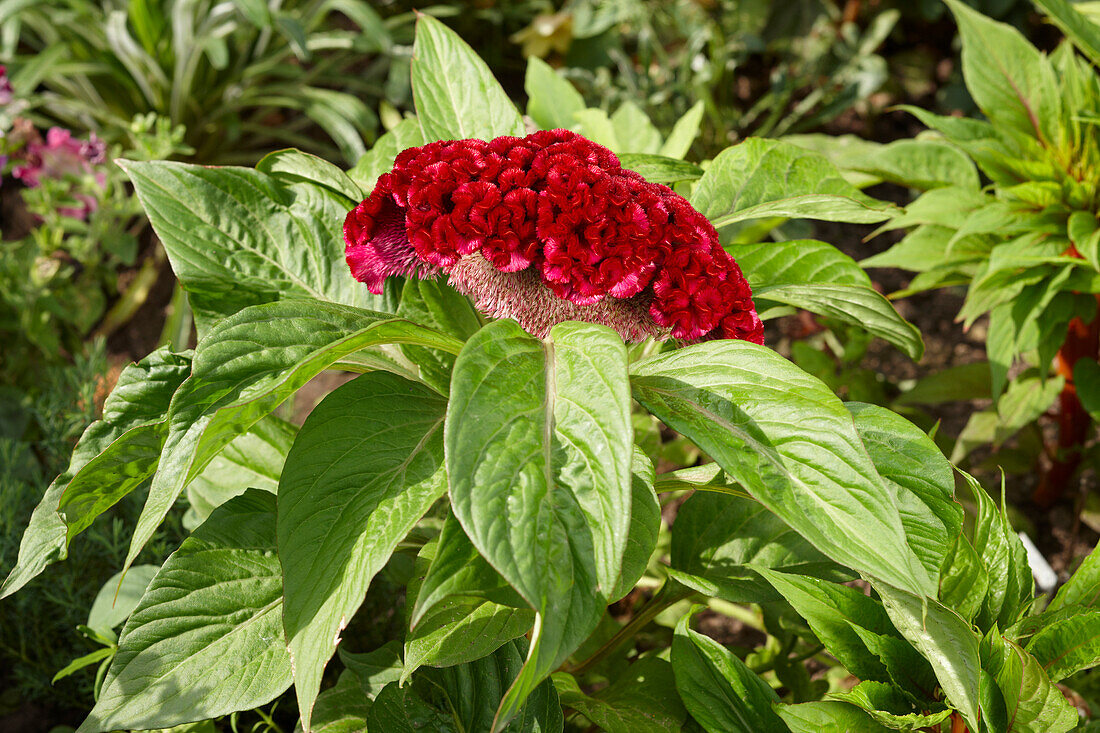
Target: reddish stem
1082,340
957,724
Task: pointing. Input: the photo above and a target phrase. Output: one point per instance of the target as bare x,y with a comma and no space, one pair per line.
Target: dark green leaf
890,708
436,304
1064,641
642,699
827,716
1032,702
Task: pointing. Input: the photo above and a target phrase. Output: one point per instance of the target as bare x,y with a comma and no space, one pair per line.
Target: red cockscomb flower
550,228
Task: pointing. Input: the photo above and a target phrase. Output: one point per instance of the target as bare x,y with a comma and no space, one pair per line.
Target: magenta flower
550,228
61,156
7,94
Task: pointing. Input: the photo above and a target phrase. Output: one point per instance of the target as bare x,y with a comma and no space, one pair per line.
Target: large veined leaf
246,367
858,305
466,698
366,466
644,698
238,237
761,178
719,536
115,454
719,691
786,438
796,261
292,166
539,450
946,640
1010,80
922,479
206,638
551,99
455,94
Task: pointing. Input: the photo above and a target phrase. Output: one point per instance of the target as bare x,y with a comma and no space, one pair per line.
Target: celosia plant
550,228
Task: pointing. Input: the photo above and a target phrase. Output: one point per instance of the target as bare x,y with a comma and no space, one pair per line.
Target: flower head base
549,228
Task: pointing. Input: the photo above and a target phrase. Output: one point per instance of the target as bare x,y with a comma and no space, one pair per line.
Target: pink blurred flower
7,94
60,156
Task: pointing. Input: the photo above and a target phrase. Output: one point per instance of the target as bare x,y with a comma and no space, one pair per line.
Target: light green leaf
206,638
923,164
642,699
133,426
645,526
1032,703
888,707
1083,587
796,261
238,237
1064,641
539,451
964,581
718,537
119,596
858,305
1084,31
634,130
945,639
246,367
551,100
719,691
366,466
594,124
684,132
293,166
1011,82
657,169
763,178
827,716
922,479
455,94
954,384
790,442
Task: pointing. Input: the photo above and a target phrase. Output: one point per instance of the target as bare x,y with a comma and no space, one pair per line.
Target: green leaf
634,130
1011,585
923,164
1011,82
294,166
458,570
1082,30
594,124
455,94
253,460
366,466
790,442
552,101
834,612
945,639
922,479
827,716
206,638
796,261
459,628
761,178
1064,641
436,304
964,581
465,698
858,305
246,367
719,691
642,699
539,451
954,384
658,169
133,425
1083,587
85,661
890,708
342,708
718,537
645,526
1086,378
380,158
119,596
1032,703
238,237
684,132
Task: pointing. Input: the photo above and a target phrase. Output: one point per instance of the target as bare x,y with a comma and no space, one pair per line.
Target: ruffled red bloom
549,228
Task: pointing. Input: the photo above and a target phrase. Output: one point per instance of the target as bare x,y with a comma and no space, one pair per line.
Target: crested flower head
550,228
